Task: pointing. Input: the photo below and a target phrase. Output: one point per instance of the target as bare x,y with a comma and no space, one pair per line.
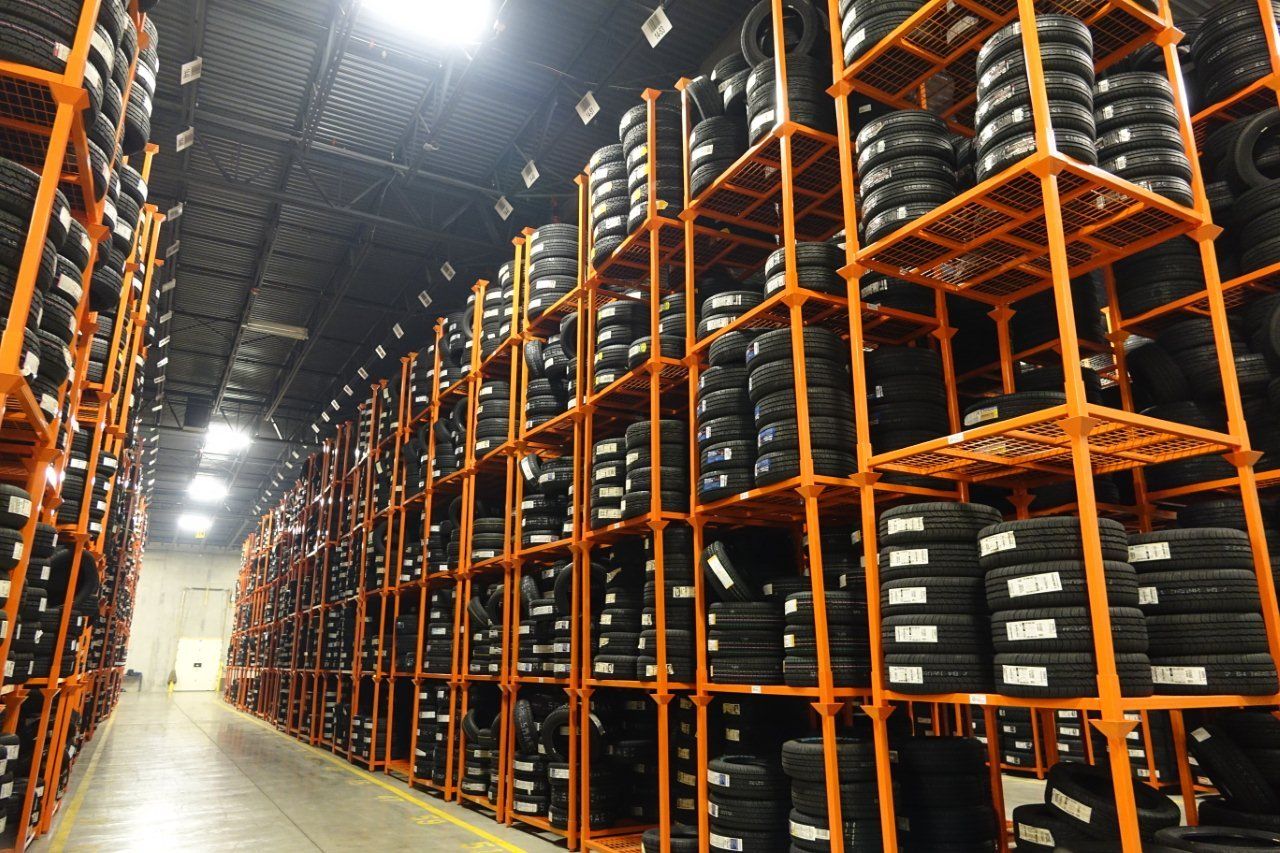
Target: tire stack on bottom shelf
1079,812
1238,755
803,761
944,796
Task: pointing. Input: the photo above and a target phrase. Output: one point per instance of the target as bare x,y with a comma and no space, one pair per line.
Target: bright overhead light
194,522
444,21
207,489
223,438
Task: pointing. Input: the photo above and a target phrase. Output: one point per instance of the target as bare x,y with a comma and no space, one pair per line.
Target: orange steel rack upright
560,436
1029,229
436,497
490,471
797,171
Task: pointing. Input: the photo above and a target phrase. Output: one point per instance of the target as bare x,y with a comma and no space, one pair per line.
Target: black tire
938,673
1046,539
1215,811
1198,590
935,522
1091,787
1232,771
1066,629
1067,674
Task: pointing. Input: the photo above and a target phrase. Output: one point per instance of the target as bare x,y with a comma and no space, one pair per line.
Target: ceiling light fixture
194,522
223,439
442,21
207,489
280,330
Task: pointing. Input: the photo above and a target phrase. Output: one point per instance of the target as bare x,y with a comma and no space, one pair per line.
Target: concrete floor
188,774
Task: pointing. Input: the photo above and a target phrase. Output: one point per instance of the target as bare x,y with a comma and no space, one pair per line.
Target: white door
197,664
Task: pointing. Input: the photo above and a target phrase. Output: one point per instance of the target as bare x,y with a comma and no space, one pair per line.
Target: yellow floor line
69,818
369,777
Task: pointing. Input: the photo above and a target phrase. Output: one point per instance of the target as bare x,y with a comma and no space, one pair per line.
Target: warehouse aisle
188,773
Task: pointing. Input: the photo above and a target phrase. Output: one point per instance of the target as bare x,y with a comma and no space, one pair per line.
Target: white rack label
1035,584
656,27
1149,551
1032,629
587,108
1034,676
996,543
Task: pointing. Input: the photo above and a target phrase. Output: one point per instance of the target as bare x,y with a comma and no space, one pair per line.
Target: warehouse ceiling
339,160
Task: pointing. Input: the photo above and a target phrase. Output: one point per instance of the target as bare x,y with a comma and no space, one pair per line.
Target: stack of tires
493,417
905,388
666,164
608,476
817,266
610,203
907,166
806,96
715,143
744,642
1016,736
496,312
551,372
536,633
531,789
936,637
1004,120
437,649
1235,752
803,760
430,756
618,325
553,271
672,468
679,607
480,756
485,610
1199,593
1040,622
849,646
422,380
544,517
1230,49
1138,134
748,802
725,442
617,627
1079,811
771,386
406,641
864,25
944,796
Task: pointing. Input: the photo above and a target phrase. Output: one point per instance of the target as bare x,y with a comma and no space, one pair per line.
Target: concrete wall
180,594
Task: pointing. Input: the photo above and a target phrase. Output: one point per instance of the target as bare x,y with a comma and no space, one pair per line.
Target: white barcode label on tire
1035,584
1148,552
1034,676
996,543
1073,807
